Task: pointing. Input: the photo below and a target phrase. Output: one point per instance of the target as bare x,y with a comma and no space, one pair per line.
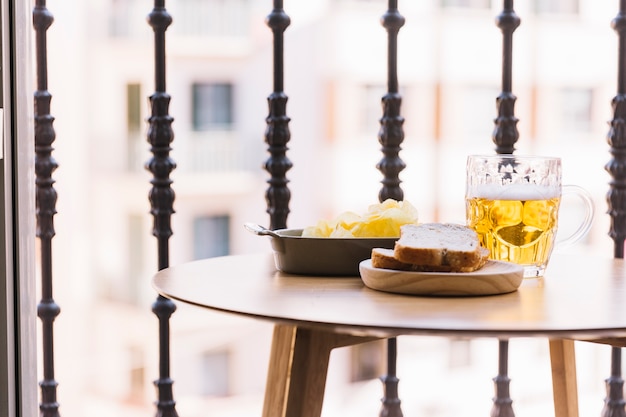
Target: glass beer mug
512,202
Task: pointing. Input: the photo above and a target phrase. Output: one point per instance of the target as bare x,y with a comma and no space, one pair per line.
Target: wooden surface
297,370
564,383
580,297
495,277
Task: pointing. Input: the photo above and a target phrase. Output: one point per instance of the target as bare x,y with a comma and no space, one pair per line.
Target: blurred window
212,105
211,236
133,107
367,361
135,155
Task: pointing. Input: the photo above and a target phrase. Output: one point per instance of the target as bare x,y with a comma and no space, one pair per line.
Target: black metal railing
45,200
616,197
505,135
160,136
614,404
277,135
391,136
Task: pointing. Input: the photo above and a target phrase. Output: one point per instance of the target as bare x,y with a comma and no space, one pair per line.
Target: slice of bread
436,247
383,258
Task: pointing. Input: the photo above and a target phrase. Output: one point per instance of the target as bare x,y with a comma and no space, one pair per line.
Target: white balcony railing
192,18
205,152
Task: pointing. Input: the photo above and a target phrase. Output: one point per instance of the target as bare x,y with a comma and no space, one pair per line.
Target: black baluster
391,134
502,403
46,198
277,133
160,136
616,137
505,133
614,405
614,401
391,400
390,137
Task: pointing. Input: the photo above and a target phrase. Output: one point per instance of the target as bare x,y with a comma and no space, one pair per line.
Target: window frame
18,350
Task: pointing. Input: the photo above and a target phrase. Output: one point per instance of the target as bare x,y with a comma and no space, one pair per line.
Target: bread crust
383,258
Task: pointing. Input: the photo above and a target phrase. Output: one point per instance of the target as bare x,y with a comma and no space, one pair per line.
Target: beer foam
522,192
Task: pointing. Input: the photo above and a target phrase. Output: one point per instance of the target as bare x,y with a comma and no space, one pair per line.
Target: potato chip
347,220
322,229
381,220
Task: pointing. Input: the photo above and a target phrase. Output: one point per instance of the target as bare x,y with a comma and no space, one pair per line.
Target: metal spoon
257,229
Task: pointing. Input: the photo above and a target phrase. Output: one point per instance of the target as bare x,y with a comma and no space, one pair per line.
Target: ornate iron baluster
160,136
614,405
505,133
391,401
391,134
616,137
46,197
505,136
502,402
277,132
614,401
390,137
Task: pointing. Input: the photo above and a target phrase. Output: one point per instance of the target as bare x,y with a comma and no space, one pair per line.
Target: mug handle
587,220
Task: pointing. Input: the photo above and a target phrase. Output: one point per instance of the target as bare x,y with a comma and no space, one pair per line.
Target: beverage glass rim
513,156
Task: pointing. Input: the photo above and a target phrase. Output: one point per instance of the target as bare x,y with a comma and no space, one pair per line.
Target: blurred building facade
219,76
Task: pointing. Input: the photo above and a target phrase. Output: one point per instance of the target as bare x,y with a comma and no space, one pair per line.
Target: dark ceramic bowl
327,256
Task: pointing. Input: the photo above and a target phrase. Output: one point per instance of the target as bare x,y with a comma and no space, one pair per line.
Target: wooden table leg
564,385
298,365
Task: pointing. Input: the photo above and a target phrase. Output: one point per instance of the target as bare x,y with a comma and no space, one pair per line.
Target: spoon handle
257,229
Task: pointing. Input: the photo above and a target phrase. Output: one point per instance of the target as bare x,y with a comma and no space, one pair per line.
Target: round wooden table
580,298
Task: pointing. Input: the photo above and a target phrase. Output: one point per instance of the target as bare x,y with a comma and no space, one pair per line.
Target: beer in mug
513,203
